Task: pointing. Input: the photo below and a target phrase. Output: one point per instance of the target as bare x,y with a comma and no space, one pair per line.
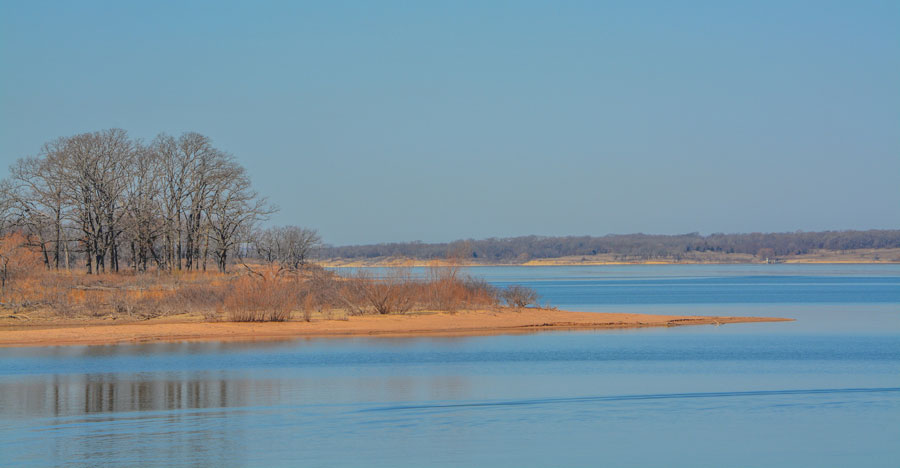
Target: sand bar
461,323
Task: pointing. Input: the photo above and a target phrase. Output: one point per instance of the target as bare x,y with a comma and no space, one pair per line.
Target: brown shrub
58,300
320,292
122,303
442,289
519,296
93,303
261,295
393,292
480,293
17,259
138,304
197,297
149,307
264,298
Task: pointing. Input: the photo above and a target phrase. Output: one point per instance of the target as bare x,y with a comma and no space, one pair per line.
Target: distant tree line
108,201
628,246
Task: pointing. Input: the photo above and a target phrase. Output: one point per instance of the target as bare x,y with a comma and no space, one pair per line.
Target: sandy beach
461,323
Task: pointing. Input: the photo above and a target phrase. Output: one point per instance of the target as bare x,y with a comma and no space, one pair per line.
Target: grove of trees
107,201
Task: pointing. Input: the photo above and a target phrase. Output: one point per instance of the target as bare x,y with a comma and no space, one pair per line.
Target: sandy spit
461,323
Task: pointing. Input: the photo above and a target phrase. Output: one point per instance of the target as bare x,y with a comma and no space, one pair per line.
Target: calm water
821,391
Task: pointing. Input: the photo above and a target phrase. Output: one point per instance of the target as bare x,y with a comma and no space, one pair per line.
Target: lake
821,391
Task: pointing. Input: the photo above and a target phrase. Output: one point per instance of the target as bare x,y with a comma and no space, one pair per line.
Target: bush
321,293
444,290
519,296
200,297
392,293
481,293
261,299
269,294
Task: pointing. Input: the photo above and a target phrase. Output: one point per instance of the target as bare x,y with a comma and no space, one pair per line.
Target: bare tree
266,244
144,221
519,296
290,246
207,169
193,174
298,245
95,170
174,202
234,206
36,191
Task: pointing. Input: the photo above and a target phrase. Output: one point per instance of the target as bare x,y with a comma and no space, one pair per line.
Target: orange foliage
18,261
265,294
266,297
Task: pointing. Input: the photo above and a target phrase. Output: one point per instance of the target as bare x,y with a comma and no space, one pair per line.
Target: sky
433,121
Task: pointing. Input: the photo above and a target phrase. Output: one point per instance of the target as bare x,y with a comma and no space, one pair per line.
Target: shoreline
464,323
887,256
563,262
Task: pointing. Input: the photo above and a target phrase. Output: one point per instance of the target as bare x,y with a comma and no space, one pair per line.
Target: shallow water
821,391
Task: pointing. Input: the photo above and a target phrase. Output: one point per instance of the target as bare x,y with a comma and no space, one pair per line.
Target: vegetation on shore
101,225
276,291
106,202
635,248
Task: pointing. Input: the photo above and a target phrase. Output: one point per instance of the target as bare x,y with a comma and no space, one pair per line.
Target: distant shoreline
862,256
464,323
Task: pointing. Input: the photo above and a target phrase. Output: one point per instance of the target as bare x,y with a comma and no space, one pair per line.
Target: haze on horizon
398,121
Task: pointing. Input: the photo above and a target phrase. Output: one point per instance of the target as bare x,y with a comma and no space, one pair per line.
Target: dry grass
447,289
264,298
265,293
444,289
75,295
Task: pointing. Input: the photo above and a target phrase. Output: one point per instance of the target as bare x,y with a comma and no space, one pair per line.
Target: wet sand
461,323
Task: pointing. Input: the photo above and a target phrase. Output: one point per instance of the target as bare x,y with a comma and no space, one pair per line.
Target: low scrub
261,299
446,289
519,296
398,291
364,293
261,293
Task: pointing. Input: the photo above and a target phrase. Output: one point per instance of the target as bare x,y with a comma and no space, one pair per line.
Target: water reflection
62,395
89,394
400,402
550,399
196,418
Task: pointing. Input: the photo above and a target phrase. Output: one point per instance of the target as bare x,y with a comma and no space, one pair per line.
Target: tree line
627,246
108,201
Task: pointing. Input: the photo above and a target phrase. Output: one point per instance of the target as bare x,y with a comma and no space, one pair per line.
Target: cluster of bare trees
111,201
289,246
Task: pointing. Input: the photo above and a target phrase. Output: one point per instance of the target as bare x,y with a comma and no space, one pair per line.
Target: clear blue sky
397,121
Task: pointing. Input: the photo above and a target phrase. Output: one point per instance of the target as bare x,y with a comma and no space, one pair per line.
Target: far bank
860,256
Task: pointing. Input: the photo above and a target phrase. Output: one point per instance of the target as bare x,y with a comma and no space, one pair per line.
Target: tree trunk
88,256
205,246
66,252
56,241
